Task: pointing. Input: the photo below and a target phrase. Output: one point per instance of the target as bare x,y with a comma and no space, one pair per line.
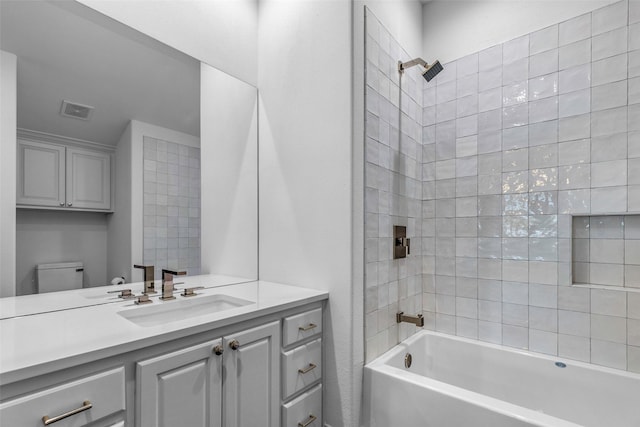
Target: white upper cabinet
88,179
51,175
41,174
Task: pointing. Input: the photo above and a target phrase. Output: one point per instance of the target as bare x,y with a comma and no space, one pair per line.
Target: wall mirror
181,138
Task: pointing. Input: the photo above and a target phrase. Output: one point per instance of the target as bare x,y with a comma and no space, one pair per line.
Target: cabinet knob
61,203
234,345
218,350
69,204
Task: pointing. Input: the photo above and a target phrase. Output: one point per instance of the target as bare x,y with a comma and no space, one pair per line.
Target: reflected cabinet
53,176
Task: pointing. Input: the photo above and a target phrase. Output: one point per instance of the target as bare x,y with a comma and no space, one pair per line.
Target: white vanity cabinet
55,176
302,369
73,403
181,388
262,370
186,387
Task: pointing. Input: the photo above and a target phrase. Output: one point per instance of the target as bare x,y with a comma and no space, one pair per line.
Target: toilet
59,277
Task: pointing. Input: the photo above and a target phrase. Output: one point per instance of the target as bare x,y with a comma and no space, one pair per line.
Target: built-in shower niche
606,250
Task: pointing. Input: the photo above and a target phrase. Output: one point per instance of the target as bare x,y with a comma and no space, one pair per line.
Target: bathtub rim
380,366
401,347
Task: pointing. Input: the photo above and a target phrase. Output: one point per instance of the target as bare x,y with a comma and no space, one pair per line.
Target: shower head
430,70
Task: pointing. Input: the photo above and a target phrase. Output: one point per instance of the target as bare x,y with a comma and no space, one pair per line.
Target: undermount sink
158,312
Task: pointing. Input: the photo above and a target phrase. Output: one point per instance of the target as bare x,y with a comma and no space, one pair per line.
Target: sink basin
171,311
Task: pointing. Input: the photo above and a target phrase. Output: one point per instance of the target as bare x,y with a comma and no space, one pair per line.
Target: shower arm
404,65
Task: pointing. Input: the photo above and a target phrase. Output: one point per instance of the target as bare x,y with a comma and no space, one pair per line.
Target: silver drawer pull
308,327
309,368
311,419
86,405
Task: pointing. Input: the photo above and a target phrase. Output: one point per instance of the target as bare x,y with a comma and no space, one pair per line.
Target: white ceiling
67,51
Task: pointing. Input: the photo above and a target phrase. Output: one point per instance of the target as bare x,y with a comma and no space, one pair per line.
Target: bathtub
457,382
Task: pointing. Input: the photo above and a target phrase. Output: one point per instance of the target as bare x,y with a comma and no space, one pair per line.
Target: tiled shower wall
517,139
171,206
393,189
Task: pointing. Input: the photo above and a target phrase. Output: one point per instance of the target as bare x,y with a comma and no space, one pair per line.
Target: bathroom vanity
246,354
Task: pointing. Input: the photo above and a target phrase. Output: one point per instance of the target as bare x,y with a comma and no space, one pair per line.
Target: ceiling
67,51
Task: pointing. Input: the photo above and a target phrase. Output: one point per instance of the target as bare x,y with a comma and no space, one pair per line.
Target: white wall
119,223
221,33
229,143
305,171
8,120
403,19
453,29
49,236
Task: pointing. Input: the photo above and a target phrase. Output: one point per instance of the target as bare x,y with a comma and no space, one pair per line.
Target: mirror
147,98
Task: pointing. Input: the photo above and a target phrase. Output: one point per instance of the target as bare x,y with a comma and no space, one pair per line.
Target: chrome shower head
430,70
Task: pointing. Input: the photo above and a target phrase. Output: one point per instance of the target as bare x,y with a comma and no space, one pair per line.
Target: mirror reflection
105,116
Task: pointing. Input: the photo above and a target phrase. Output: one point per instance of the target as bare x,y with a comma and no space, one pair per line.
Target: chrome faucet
167,283
149,278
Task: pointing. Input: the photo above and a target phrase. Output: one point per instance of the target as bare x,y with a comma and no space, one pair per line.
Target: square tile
574,103
609,17
609,70
604,353
607,174
543,63
575,78
543,40
609,44
578,28
610,95
515,49
488,58
574,54
574,347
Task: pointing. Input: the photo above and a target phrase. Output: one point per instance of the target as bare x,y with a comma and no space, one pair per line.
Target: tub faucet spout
416,320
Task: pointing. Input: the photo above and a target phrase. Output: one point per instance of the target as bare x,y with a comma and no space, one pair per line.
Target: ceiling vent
75,110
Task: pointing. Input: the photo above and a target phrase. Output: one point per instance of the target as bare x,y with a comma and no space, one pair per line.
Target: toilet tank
59,277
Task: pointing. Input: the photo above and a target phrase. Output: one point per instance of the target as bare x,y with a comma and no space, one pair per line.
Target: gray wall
44,236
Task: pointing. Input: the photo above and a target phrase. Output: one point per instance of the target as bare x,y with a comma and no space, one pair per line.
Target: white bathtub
456,382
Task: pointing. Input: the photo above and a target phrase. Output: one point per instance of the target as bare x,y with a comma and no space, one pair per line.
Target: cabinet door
88,179
252,382
41,174
182,388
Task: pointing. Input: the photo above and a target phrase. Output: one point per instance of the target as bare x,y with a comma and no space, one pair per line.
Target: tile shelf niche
606,252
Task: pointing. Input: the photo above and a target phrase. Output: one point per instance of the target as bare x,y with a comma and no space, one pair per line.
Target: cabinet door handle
309,368
308,327
86,405
311,419
218,350
234,345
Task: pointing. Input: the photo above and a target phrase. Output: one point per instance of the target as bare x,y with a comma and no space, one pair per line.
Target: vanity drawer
104,392
305,410
301,367
300,326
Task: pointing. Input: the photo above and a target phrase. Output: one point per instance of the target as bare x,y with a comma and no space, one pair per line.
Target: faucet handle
189,292
124,293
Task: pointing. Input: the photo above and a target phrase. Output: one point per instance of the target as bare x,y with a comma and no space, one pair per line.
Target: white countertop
36,344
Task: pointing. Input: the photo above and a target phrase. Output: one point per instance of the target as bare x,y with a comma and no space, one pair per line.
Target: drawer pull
311,419
309,368
308,327
86,405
